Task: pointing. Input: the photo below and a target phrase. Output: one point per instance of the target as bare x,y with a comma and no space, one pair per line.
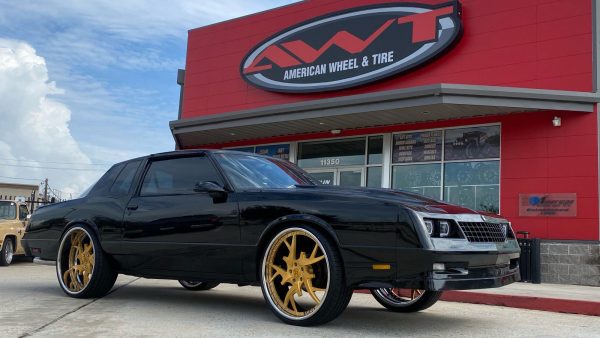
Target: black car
205,217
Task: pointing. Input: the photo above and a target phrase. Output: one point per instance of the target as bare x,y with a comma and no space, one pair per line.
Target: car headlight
429,226
441,228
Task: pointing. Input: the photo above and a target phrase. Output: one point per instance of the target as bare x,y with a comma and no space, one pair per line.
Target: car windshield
8,210
246,171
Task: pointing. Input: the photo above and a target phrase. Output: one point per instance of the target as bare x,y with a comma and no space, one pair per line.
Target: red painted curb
579,307
523,302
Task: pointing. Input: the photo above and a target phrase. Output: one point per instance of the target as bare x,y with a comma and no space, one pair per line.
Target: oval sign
352,48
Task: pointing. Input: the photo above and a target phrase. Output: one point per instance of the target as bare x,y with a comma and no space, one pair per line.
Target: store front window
461,166
281,151
351,162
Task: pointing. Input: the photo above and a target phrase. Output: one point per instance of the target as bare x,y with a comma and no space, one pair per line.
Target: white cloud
34,128
116,64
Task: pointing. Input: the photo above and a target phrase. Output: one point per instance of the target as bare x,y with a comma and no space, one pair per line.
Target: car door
23,212
175,226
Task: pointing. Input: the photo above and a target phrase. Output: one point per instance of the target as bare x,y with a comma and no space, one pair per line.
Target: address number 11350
330,161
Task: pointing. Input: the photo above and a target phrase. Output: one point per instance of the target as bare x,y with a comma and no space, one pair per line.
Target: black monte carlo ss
205,217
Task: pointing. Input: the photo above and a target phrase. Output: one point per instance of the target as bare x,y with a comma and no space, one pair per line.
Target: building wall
569,262
543,44
10,191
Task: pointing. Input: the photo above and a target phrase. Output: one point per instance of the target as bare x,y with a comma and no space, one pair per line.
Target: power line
47,162
51,168
22,178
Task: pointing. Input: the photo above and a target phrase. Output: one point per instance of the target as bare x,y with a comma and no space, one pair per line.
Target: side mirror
218,193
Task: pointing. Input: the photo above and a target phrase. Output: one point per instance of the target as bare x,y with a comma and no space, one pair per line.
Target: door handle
132,207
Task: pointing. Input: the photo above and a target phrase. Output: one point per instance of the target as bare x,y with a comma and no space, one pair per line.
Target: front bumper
473,278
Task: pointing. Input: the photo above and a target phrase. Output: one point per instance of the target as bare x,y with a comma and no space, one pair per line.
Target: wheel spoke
311,290
285,276
289,298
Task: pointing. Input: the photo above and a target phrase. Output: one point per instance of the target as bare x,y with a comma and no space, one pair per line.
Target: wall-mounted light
336,131
556,121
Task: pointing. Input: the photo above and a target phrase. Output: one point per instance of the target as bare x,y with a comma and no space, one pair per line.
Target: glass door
347,177
323,176
350,177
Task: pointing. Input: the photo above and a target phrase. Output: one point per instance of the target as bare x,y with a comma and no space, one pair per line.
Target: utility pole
45,191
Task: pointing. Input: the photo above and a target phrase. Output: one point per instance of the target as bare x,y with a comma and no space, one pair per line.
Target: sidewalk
584,300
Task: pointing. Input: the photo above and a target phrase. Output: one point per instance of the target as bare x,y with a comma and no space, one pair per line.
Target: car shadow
251,306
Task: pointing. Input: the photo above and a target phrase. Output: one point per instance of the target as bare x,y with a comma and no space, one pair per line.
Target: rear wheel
6,254
196,285
82,268
406,300
302,277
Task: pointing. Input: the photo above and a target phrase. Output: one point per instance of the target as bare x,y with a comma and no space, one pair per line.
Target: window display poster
281,151
417,147
472,143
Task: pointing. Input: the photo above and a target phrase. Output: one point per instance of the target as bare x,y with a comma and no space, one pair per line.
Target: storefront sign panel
281,151
548,205
352,48
417,147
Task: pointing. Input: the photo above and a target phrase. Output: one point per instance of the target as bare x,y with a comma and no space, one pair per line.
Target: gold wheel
80,260
296,273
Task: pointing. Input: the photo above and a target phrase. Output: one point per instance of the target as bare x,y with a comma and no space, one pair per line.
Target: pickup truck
13,219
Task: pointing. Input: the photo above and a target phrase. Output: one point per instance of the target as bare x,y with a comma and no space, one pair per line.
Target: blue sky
106,68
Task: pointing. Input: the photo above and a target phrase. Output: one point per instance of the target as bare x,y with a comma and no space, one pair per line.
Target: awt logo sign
352,48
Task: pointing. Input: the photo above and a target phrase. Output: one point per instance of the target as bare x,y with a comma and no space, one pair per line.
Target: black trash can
529,263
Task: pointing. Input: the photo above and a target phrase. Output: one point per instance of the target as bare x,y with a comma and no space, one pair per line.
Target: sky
86,84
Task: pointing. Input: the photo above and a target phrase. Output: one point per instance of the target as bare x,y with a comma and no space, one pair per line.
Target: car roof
191,151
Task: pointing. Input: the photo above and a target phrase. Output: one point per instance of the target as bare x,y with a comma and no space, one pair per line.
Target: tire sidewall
8,244
425,301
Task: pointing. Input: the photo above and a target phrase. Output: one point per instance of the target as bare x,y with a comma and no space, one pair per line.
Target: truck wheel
302,277
406,300
6,254
82,268
196,285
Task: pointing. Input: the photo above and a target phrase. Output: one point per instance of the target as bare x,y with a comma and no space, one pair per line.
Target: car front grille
484,231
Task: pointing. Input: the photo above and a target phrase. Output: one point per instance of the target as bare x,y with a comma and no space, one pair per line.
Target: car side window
178,176
124,181
101,188
23,212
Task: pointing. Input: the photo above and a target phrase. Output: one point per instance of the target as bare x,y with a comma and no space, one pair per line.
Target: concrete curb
579,307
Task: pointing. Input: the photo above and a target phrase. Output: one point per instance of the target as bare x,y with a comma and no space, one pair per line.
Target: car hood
407,199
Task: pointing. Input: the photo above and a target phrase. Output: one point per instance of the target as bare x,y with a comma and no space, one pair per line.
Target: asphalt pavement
34,306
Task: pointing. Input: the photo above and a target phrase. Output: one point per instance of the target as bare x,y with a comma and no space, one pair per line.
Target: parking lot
34,305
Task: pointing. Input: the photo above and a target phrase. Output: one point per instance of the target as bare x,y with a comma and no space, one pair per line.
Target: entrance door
342,176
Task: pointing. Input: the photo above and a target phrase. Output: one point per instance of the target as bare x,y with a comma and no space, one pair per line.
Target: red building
487,104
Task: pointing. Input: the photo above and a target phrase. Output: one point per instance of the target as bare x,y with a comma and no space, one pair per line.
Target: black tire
102,276
392,302
321,272
7,252
197,286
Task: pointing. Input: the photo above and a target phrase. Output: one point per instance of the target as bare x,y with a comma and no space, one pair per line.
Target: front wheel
6,254
82,268
196,285
406,300
302,277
